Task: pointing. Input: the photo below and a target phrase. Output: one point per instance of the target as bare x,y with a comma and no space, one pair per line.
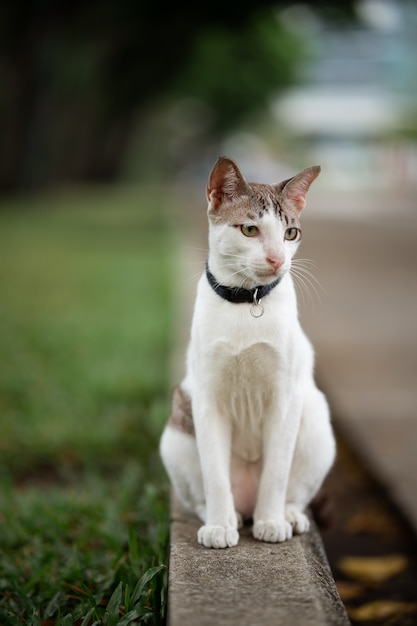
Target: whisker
313,280
189,262
309,286
190,279
196,276
196,248
230,255
308,283
308,262
304,265
302,286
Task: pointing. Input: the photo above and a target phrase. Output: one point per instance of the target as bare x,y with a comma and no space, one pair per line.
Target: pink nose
275,262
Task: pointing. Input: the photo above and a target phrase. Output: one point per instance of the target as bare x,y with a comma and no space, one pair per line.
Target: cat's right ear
225,183
296,188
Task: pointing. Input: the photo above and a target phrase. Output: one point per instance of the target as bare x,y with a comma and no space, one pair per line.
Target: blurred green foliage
235,72
78,77
84,328
85,337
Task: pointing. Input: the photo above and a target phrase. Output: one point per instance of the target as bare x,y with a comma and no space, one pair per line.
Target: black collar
238,295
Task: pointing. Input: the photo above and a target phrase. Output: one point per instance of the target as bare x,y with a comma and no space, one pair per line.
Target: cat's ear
226,182
296,188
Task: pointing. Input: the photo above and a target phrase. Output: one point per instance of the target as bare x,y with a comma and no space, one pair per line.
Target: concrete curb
254,583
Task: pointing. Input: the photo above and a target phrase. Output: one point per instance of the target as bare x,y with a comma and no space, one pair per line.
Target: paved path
365,329
253,583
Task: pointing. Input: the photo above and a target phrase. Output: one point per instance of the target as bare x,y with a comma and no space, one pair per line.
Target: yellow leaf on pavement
381,609
372,523
373,569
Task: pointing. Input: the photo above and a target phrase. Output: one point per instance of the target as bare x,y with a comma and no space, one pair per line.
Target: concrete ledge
288,584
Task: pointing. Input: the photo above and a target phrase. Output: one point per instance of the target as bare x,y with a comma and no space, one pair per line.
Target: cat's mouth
270,275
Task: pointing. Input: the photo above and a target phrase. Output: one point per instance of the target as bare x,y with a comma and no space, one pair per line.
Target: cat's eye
291,234
249,230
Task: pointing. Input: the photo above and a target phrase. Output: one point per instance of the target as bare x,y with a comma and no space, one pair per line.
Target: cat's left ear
225,183
296,188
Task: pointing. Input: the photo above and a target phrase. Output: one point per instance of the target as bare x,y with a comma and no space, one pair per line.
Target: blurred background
102,91
112,114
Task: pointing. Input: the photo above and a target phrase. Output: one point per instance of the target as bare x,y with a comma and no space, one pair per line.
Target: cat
249,436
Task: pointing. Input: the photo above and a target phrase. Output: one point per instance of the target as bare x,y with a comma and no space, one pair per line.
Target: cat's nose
275,261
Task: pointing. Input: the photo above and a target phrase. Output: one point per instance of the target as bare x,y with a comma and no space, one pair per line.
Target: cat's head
254,229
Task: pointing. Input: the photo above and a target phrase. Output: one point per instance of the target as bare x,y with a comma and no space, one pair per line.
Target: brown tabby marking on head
181,417
232,200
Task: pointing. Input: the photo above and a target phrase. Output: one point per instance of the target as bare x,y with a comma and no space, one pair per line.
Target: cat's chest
246,383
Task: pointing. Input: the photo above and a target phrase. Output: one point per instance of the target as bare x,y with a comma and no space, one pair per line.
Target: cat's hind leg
180,457
313,457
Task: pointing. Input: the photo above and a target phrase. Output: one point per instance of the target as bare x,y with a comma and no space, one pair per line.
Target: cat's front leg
220,529
297,518
271,522
213,440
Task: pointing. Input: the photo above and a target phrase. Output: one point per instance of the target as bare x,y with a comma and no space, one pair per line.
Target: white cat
250,434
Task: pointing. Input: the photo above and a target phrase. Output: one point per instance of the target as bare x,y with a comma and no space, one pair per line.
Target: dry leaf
348,590
371,523
373,569
381,609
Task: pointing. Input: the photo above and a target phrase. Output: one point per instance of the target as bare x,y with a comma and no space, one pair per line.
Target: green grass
84,343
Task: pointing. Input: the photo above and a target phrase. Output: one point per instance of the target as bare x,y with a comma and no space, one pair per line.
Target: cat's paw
272,531
298,520
218,536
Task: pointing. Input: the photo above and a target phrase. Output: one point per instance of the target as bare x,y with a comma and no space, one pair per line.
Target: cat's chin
264,278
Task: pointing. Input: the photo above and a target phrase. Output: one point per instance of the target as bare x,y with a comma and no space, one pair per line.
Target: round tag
257,310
